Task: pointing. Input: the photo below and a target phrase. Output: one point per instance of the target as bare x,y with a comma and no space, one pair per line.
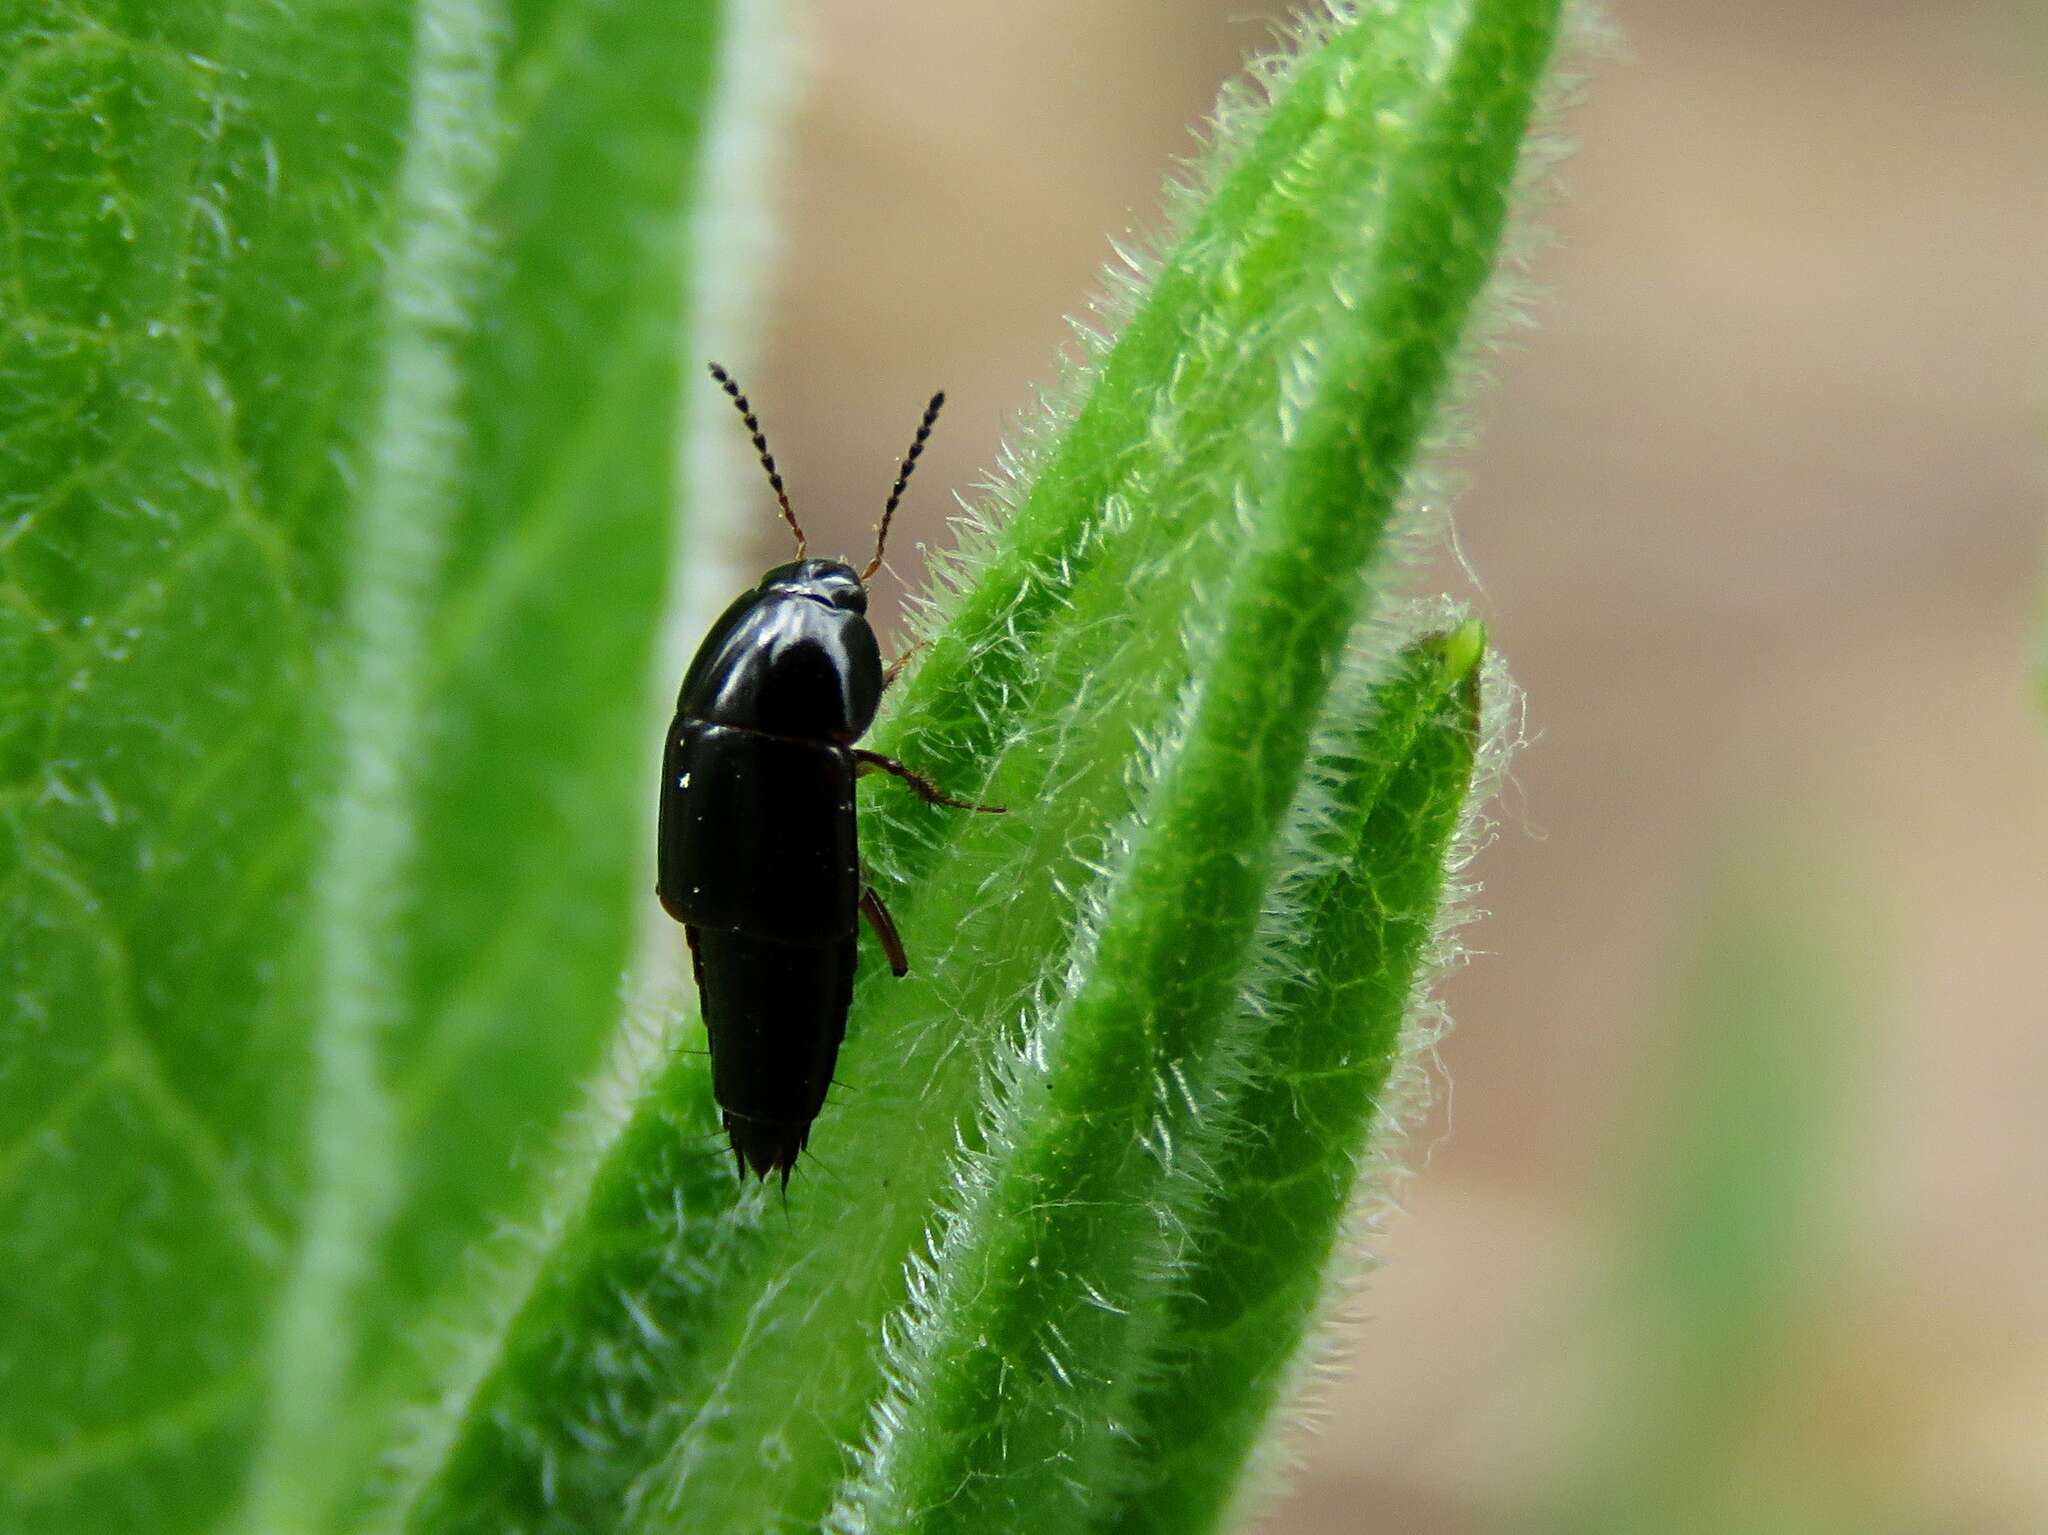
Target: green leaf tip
1462,648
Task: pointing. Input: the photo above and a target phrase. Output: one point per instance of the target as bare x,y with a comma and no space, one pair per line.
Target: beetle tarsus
922,787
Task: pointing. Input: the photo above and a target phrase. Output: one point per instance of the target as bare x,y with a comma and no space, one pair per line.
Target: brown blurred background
1758,514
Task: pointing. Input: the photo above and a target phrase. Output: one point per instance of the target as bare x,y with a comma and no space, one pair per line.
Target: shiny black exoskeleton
758,853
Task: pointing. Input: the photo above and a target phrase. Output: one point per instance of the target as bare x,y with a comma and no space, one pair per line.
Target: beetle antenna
767,459
924,432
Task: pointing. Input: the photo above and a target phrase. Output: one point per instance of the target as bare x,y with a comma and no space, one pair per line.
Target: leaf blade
994,1396
194,418
165,591
1287,1172
360,885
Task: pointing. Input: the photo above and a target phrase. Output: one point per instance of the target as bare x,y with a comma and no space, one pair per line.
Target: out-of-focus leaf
338,359
1733,1244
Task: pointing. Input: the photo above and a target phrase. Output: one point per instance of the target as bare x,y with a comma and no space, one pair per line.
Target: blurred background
1735,1212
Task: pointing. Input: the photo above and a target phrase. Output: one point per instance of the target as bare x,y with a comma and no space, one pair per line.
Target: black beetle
758,854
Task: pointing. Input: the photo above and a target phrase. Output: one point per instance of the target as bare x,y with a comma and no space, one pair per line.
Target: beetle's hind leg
921,786
884,925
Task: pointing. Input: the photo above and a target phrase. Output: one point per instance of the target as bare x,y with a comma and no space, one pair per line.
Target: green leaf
1352,946
1138,1176
1136,664
339,347
1735,1240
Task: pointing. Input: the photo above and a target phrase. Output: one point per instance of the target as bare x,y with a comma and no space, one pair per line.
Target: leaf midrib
410,498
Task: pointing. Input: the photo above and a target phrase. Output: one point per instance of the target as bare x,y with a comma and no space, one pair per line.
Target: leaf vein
33,1473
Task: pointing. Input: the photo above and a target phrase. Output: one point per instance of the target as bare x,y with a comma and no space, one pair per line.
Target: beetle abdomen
758,859
776,1014
757,834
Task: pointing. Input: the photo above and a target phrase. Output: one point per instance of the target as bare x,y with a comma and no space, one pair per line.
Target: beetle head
832,582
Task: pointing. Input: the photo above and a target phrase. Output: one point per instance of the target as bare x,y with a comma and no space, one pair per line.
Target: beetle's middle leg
923,787
884,925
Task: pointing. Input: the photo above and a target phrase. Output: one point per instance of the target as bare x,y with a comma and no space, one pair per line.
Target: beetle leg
884,925
924,788
896,666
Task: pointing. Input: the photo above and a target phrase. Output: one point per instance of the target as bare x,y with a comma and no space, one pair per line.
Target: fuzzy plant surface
347,1179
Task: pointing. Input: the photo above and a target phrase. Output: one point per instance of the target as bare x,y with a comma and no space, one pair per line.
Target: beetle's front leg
895,667
924,788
